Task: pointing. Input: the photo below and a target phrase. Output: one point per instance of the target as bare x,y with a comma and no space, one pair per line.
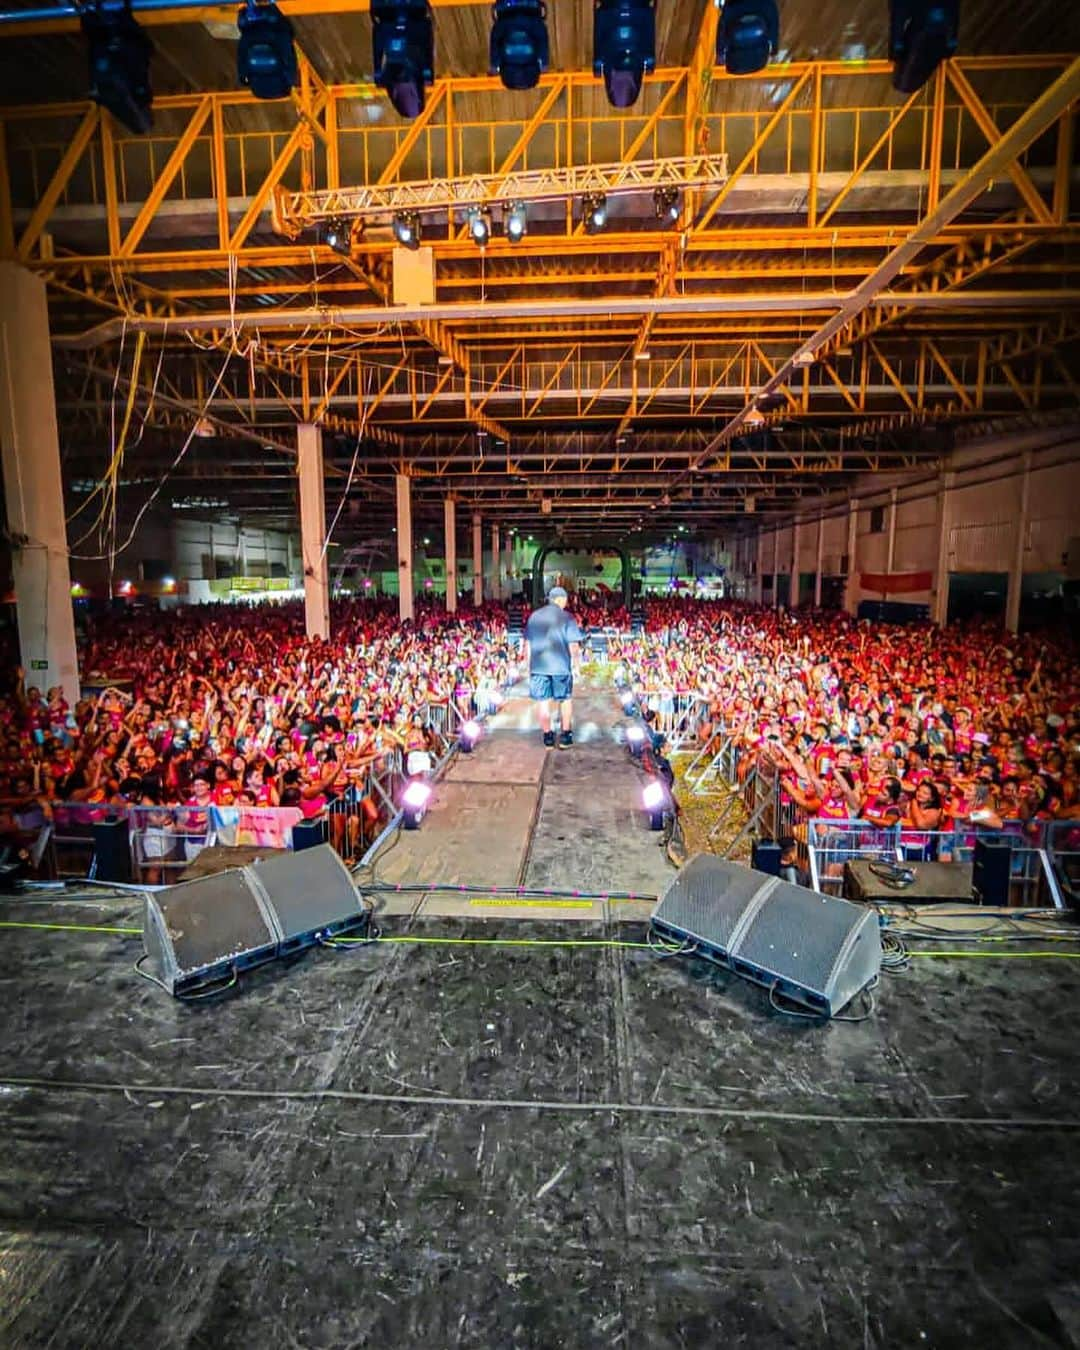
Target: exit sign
39,665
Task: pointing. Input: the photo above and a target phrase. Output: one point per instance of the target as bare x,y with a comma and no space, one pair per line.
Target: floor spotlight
406,226
119,59
624,47
594,211
403,40
414,802
337,234
266,57
636,737
515,222
922,34
519,51
469,734
666,204
748,35
479,222
654,798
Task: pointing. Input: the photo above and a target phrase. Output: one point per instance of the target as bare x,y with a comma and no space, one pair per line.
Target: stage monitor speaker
991,871
201,932
812,949
308,834
112,851
310,895
765,857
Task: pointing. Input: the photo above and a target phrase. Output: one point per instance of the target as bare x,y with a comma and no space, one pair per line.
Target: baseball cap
558,593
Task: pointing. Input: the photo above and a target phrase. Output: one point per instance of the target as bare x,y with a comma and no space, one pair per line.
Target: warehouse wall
983,518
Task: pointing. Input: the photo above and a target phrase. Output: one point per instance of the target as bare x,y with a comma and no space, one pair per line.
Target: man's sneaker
567,738
549,739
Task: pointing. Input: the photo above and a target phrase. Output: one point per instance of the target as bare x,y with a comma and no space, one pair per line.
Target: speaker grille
801,931
308,890
709,897
816,949
212,920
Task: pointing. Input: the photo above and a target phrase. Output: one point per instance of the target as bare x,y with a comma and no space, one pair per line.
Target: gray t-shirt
549,633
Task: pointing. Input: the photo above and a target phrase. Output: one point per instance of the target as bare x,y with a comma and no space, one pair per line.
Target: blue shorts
558,687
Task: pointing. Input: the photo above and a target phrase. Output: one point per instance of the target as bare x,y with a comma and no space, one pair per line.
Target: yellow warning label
540,904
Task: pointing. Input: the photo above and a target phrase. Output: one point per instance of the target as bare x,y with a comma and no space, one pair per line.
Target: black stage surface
418,1144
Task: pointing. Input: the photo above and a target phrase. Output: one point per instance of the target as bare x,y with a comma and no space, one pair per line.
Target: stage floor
444,1144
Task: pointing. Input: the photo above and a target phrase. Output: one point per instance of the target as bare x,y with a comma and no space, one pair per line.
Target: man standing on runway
552,649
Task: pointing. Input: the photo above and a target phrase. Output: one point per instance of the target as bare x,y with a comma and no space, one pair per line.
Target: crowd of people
233,709
227,707
927,728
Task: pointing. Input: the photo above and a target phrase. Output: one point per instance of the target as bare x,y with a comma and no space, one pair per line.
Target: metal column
477,560
450,530
313,530
403,486
890,556
820,561
851,583
793,586
30,448
1016,570
940,612
496,568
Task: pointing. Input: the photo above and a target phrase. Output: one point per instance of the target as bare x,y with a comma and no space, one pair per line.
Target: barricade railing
164,840
833,843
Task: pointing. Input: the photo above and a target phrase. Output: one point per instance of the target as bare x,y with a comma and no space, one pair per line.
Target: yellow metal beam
164,179
59,181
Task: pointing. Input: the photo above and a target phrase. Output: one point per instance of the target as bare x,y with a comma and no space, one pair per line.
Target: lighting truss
295,211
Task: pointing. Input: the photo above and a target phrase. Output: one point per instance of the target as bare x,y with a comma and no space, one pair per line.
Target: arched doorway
619,549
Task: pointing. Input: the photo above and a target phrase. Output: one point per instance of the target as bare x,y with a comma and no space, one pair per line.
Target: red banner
896,583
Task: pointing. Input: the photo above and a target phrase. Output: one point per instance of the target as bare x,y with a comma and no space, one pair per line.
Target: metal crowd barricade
1061,846
72,842
1033,878
164,840
832,843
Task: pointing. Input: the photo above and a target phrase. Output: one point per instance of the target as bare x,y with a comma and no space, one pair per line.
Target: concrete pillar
450,530
940,609
890,555
796,541
313,530
851,584
759,571
496,565
403,486
820,561
30,450
776,567
509,544
477,560
1016,570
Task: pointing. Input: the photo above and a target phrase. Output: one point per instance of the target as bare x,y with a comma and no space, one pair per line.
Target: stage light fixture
403,41
635,740
469,734
406,226
922,34
626,698
747,36
118,53
666,204
594,211
337,234
266,58
654,798
414,802
479,221
519,51
624,47
515,222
